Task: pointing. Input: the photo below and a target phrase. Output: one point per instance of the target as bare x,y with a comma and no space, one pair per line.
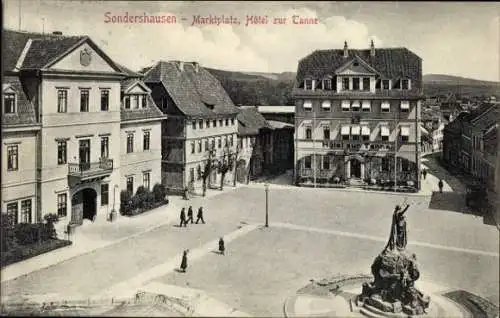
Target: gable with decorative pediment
356,67
83,58
137,89
8,89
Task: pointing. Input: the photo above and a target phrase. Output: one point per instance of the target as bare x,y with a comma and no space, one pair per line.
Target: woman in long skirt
184,262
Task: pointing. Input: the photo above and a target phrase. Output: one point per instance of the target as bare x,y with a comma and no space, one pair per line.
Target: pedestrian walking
424,173
190,215
184,262
183,218
222,248
199,216
440,185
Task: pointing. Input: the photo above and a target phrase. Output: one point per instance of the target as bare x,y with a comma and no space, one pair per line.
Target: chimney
372,49
57,33
346,52
196,66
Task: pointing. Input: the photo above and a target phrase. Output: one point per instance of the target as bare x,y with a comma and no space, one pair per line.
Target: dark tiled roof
250,121
151,112
25,114
192,91
128,71
391,63
44,50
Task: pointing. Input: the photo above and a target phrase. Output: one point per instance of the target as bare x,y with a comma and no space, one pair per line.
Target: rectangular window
366,83
130,143
346,105
12,158
199,146
9,102
308,84
307,162
326,133
104,100
144,101
12,212
327,84
200,124
308,133
385,107
192,146
326,105
213,143
146,141
26,211
326,163
61,152
355,84
345,84
345,130
127,102
219,142
62,101
366,106
405,165
405,133
62,204
191,175
386,84
104,194
405,84
194,124
355,106
231,141
227,122
214,124
307,105
206,145
130,185
135,101
84,100
146,180
405,106
232,121
384,133
208,123
225,141
104,147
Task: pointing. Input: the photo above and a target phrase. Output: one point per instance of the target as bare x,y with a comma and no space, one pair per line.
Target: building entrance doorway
355,168
83,205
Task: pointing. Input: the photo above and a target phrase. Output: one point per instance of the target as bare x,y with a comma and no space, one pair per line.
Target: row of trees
223,165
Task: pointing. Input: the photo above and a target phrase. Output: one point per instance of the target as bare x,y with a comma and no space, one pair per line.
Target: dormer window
386,84
345,84
327,84
127,102
405,84
366,83
308,84
9,103
144,101
355,63
355,84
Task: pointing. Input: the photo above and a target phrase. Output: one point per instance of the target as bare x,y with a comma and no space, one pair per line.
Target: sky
454,38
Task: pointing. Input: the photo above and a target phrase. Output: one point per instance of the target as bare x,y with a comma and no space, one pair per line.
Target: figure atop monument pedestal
395,272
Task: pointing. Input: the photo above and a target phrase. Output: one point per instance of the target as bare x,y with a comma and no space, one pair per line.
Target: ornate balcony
88,172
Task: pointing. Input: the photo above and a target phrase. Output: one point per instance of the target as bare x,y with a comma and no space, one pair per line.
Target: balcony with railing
90,170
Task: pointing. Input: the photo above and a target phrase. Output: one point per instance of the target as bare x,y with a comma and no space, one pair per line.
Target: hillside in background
257,88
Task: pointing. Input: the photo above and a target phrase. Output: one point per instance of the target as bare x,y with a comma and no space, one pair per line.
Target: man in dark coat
190,215
424,173
184,262
222,248
440,185
199,216
183,218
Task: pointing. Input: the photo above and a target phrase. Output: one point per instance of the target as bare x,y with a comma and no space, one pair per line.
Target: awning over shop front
355,130
365,131
366,104
355,104
384,131
385,105
307,104
326,104
405,104
405,131
344,130
346,105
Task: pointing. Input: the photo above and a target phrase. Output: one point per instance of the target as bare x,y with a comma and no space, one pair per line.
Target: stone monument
395,272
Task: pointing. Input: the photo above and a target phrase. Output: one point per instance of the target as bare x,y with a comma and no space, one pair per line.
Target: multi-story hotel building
62,128
201,123
356,110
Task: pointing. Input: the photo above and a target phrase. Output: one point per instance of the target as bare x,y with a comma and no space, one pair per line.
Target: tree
226,165
236,155
208,168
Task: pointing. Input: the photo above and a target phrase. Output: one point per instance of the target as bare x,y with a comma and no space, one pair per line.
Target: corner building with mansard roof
357,116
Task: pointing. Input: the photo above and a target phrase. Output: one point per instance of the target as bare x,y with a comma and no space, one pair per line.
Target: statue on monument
395,273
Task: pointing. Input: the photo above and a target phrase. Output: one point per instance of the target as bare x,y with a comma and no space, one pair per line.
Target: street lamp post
266,186
112,216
